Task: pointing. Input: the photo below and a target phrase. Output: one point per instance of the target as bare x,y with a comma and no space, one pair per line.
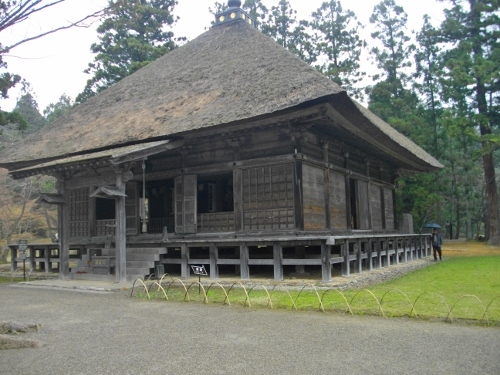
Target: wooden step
148,257
139,264
92,276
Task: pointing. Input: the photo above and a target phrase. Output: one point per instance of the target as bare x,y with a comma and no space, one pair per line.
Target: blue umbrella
432,225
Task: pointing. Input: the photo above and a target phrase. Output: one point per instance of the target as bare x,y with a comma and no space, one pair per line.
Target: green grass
466,286
456,289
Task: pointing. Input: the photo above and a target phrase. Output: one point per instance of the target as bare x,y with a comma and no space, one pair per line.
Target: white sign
23,245
199,270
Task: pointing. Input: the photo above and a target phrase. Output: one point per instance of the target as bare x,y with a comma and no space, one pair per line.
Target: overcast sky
54,64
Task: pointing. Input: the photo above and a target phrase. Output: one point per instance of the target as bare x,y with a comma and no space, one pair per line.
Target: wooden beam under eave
346,124
51,199
121,231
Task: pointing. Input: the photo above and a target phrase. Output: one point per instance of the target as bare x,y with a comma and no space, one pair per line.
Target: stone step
141,271
139,264
81,269
148,257
91,276
140,250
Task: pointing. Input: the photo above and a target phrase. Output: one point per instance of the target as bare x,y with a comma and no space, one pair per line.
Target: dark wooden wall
283,180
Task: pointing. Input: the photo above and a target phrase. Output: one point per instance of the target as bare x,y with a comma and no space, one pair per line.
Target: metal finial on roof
233,13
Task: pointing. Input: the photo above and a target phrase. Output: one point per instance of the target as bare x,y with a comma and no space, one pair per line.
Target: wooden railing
105,228
156,225
216,222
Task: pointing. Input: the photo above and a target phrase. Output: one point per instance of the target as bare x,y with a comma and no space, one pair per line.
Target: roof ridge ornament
233,13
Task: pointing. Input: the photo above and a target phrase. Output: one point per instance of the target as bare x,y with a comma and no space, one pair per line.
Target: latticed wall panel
79,213
268,198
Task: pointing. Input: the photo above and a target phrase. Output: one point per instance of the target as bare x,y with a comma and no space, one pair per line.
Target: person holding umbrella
437,242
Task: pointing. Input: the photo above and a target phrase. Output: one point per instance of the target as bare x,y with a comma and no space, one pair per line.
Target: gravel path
108,333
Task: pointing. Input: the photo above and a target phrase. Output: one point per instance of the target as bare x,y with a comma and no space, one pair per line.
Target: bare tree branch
22,11
25,8
78,23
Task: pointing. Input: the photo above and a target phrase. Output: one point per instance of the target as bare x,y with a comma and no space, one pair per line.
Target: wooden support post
359,266
278,261
326,264
13,256
404,243
120,231
387,255
244,257
327,186
379,253
298,197
214,258
418,246
185,271
238,199
395,245
370,254
346,268
32,258
410,248
46,256
91,214
300,252
64,210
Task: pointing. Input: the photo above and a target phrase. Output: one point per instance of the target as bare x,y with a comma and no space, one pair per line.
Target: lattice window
79,213
268,197
388,209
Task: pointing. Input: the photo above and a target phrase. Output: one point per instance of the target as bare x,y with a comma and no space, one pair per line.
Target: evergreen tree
132,35
473,85
390,98
27,107
338,43
428,69
390,21
281,22
55,110
282,25
217,8
257,11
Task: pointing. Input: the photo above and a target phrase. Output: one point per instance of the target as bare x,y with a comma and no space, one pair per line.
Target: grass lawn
458,288
465,286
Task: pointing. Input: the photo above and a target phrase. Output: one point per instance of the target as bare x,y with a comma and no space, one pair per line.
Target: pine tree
281,22
390,98
338,43
55,110
132,35
283,26
473,83
27,107
257,11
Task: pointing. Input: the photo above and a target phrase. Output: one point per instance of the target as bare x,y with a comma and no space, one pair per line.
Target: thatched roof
230,73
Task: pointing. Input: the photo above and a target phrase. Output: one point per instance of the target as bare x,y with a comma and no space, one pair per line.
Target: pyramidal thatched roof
230,73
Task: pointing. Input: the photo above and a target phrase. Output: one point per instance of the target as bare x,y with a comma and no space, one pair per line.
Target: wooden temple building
228,152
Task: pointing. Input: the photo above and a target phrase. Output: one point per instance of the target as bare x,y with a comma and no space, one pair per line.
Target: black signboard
199,270
23,245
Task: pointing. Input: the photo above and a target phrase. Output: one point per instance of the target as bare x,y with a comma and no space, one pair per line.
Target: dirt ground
453,248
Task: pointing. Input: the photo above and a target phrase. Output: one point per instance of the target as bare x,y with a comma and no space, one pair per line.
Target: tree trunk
492,217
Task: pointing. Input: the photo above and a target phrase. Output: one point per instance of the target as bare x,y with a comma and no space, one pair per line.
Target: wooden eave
107,192
380,136
109,158
51,198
